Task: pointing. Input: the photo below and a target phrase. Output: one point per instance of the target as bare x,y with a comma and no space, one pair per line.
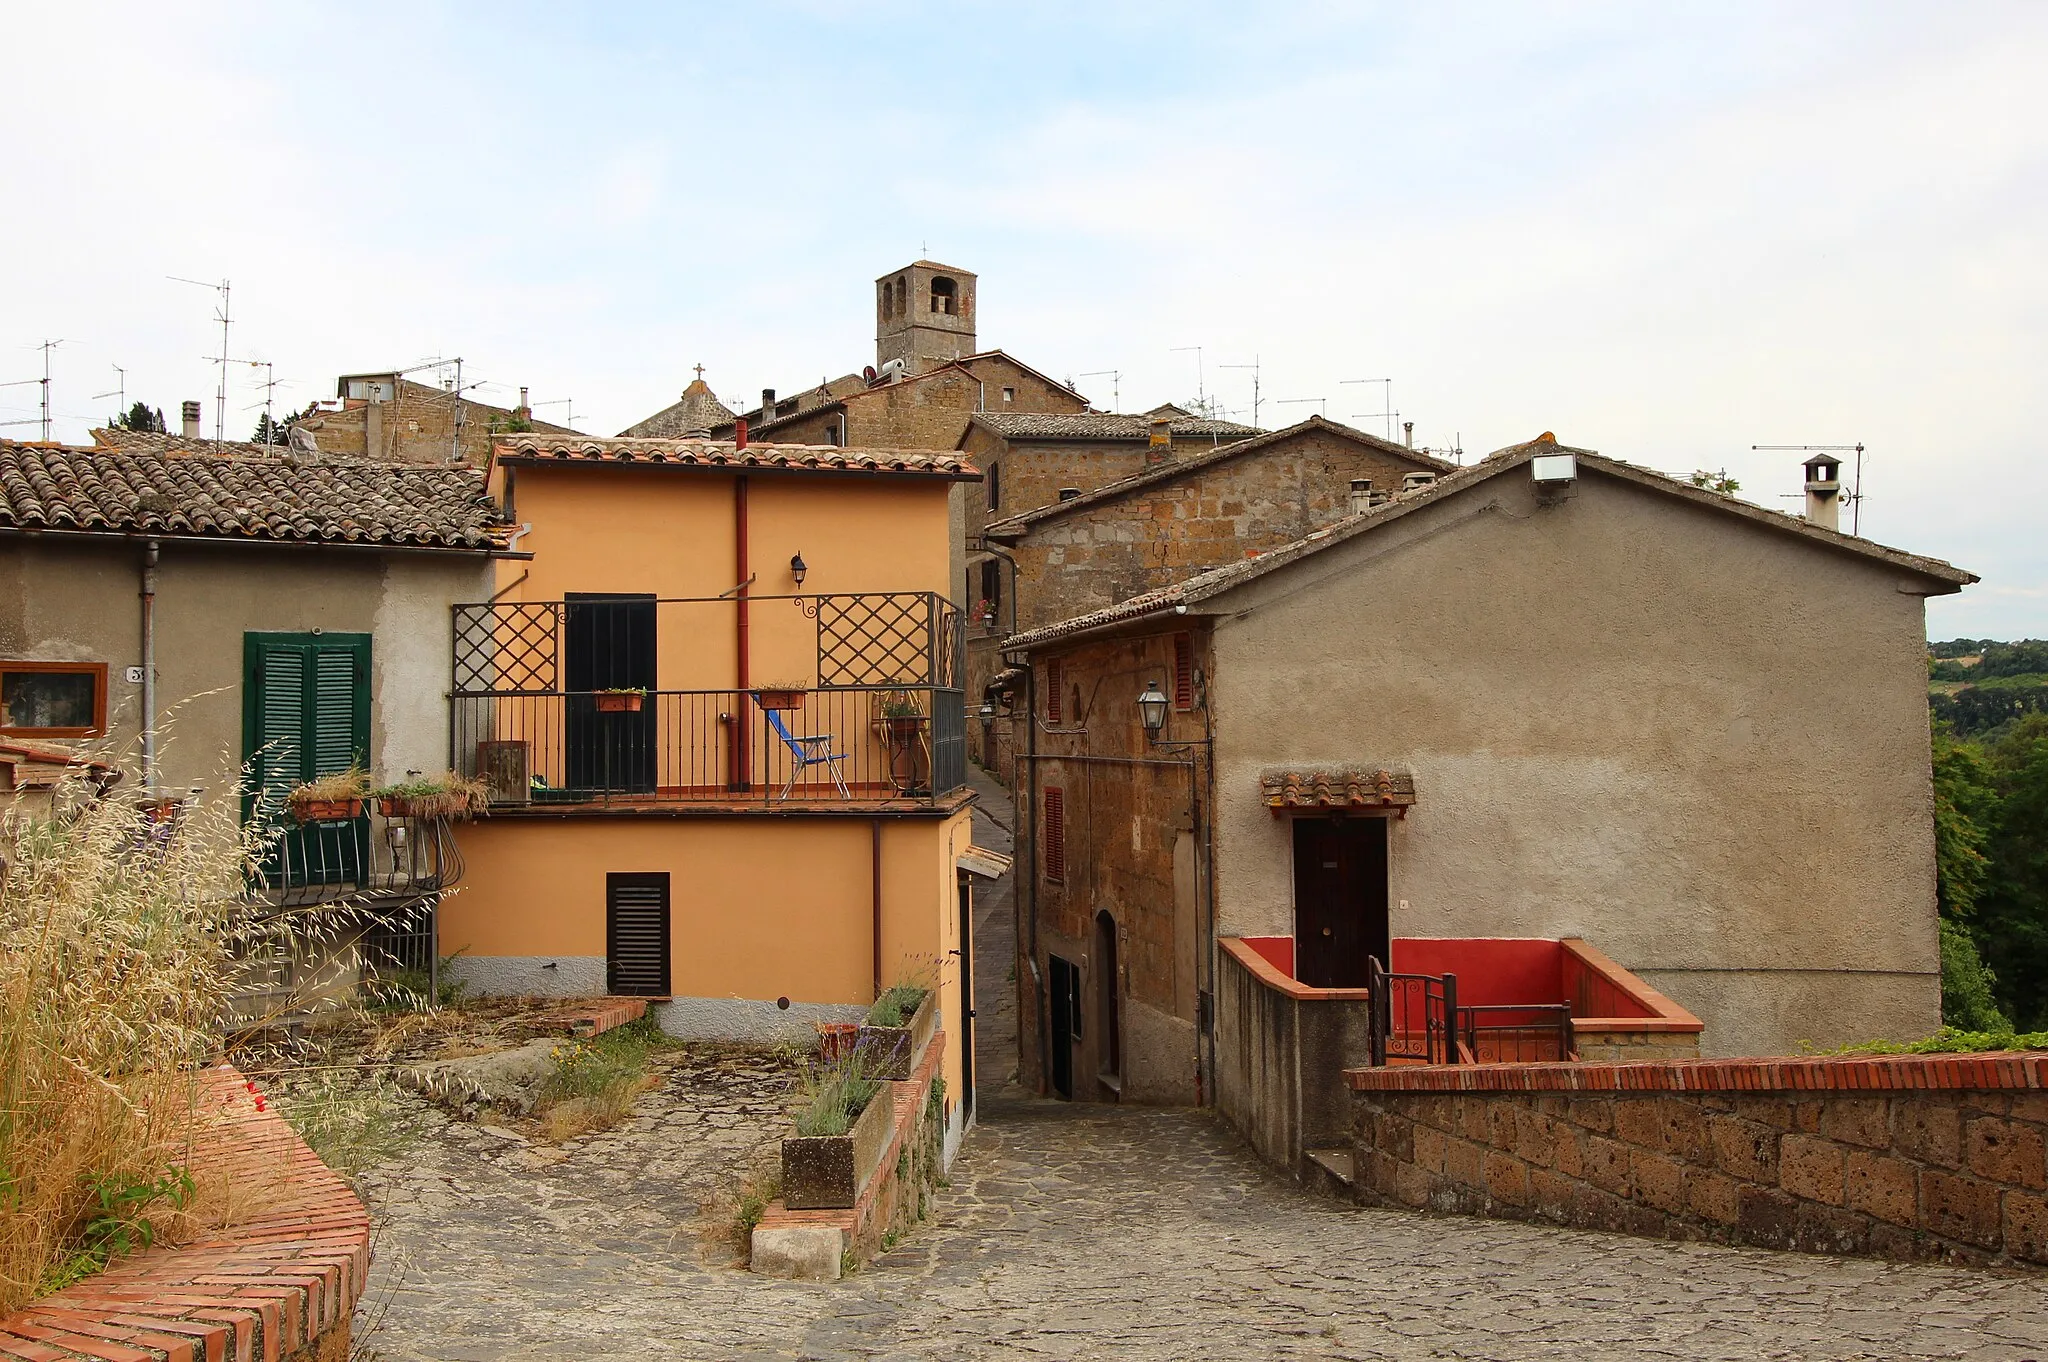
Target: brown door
1340,899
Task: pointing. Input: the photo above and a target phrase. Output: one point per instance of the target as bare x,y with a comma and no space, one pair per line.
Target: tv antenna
119,393
1855,496
270,382
1254,367
1322,404
569,416
1116,379
220,410
46,347
1387,402
1201,380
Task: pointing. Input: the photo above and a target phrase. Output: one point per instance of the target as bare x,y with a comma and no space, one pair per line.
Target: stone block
1395,1135
1412,1186
1569,1152
1960,1208
1743,1149
1535,1139
2030,1106
2005,1151
1929,1129
1862,1121
1429,1148
1812,1168
1607,1164
1884,1187
1774,1112
1829,1229
1594,1113
1765,1215
1657,1180
1465,1163
1507,1179
802,1253
1712,1197
2026,1227
1638,1121
1550,1194
1501,1121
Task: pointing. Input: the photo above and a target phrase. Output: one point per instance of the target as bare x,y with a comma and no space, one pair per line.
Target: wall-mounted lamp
1152,710
987,715
797,569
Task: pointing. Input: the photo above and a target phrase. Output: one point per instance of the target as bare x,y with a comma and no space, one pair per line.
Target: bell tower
924,317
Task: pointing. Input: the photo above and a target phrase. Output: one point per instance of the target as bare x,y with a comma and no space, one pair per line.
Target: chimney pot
188,419
767,403
1824,493
1408,434
1361,495
739,433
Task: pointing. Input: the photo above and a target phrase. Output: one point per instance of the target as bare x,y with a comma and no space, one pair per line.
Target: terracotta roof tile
1103,425
1315,789
723,454
289,499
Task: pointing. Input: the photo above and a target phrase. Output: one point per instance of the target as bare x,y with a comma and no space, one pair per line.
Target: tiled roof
150,442
205,496
1179,468
1218,580
723,454
1103,425
1298,789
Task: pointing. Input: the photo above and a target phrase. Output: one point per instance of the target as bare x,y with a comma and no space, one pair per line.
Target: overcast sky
1664,232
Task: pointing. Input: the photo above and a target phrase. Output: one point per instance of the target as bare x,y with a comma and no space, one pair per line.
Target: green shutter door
306,713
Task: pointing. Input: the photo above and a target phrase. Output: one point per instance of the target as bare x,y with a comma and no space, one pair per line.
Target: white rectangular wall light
1554,467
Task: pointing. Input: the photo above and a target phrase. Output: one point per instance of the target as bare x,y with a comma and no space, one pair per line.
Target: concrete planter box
827,1172
892,1052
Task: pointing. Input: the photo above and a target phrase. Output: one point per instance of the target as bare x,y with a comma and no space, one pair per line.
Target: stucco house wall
78,601
1698,742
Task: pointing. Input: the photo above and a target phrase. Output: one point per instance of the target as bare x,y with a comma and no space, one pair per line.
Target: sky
1668,233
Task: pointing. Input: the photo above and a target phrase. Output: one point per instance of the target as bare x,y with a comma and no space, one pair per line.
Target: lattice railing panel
514,647
890,640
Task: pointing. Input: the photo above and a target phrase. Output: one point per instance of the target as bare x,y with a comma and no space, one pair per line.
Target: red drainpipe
743,746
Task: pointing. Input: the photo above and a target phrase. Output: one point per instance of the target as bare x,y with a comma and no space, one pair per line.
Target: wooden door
1340,900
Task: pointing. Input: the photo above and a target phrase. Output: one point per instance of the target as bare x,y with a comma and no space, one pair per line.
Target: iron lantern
1152,709
797,568
987,715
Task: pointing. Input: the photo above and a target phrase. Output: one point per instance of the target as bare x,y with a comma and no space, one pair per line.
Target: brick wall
1921,1157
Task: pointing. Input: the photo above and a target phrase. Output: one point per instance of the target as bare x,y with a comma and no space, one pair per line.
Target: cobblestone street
1085,1233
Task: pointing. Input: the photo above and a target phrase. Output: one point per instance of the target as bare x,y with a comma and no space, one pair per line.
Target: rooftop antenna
220,409
1322,404
1387,403
46,347
23,383
269,391
569,417
1116,379
1855,497
1254,367
119,394
1201,380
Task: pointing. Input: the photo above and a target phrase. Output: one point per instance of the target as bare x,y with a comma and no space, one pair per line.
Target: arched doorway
1109,1022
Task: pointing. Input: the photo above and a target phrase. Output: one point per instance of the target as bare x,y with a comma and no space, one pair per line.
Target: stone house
697,412
389,418
718,707
1549,697
1192,502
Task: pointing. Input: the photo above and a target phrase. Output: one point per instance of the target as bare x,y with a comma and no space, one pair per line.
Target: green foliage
1964,803
1966,985
897,1006
117,1223
1950,1041
140,418
1991,844
1715,481
604,1064
834,1095
352,1125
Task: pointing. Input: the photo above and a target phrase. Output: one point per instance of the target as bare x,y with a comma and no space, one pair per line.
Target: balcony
375,859
558,709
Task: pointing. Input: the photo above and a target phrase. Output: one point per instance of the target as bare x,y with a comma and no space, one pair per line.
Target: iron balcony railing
367,857
839,744
1417,1019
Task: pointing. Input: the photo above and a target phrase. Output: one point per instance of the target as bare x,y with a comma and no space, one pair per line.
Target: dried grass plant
123,943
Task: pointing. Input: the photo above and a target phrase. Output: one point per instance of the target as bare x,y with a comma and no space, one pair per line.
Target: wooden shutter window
1183,671
1055,833
636,936
1052,691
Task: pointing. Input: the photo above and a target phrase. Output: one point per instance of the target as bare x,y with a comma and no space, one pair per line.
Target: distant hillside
1980,686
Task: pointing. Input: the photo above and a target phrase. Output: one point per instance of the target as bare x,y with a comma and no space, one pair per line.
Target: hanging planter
620,701
329,799
780,697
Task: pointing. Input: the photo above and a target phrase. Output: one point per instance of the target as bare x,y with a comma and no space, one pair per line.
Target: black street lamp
1152,710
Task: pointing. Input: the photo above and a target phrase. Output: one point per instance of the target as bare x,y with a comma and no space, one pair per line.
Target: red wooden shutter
1052,691
1055,833
1183,671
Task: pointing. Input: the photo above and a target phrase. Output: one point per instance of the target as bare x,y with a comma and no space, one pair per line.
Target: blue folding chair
806,752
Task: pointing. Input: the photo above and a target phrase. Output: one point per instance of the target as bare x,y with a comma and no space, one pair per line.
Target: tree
140,417
1965,802
269,432
2012,913
1715,482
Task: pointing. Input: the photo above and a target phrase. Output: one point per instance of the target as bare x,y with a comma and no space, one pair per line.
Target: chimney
188,416
739,433
1408,434
1361,495
1162,431
1418,478
767,404
1824,491
524,411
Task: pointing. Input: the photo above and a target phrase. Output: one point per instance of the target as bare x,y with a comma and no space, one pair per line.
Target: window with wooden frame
53,699
1055,833
1183,671
992,483
1052,690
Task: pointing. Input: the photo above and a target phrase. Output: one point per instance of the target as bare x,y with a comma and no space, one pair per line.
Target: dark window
636,936
943,296
1052,691
1009,394
994,483
53,699
1183,671
992,582
1055,833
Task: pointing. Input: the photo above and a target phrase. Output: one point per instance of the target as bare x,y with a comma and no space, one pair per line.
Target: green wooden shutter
276,741
339,703
306,708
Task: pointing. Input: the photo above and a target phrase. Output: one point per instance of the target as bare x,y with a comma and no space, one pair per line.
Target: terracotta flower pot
619,703
326,810
780,699
904,727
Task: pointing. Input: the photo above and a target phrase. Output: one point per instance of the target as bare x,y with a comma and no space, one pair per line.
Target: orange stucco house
717,700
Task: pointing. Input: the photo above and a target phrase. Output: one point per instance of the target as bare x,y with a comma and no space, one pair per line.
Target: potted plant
902,716
330,798
781,694
621,700
842,1130
448,797
896,1030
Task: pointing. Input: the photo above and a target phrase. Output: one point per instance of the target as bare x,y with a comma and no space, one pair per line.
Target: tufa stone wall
1922,1157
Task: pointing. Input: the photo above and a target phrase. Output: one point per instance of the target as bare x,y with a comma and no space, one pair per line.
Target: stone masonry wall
1924,1157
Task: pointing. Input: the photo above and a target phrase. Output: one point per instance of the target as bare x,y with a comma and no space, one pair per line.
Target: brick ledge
1829,1073
260,1289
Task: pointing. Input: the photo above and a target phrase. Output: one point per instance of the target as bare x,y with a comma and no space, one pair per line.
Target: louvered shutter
306,708
1052,691
636,934
339,734
277,687
1183,671
1055,833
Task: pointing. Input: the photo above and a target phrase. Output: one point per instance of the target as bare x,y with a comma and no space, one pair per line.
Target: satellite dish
868,372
